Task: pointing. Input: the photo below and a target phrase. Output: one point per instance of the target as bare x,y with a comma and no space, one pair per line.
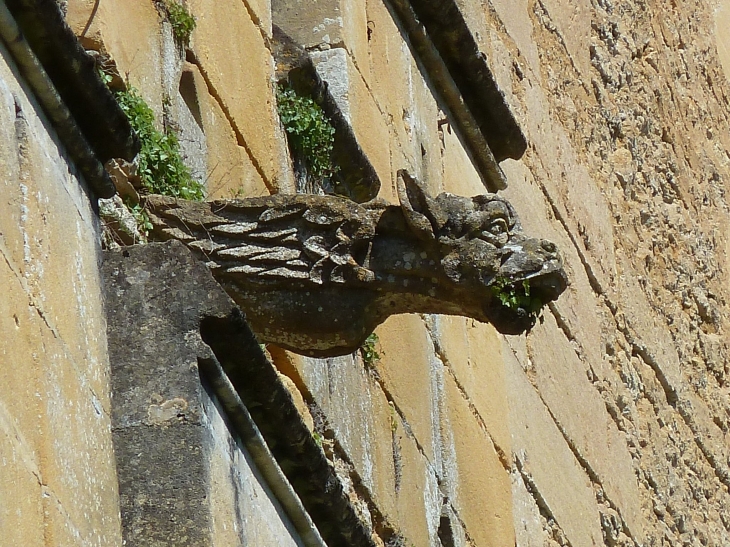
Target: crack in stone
240,140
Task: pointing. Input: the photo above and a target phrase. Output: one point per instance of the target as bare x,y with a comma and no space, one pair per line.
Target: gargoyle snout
524,256
549,247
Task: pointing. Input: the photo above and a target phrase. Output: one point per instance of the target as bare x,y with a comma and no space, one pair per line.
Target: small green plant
515,296
369,353
181,21
161,167
144,225
310,132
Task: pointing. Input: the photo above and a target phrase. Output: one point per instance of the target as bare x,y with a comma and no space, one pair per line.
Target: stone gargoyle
316,274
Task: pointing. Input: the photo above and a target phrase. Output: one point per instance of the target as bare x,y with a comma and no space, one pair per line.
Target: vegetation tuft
181,21
311,134
516,296
161,168
370,355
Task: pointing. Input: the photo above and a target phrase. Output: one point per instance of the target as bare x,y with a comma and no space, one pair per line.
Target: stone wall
606,425
58,482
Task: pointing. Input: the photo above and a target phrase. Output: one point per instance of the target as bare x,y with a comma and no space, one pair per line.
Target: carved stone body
316,274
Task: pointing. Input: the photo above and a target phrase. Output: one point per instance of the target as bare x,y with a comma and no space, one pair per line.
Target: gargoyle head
496,272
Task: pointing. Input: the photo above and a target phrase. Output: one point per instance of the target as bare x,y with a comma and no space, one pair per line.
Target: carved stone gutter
169,324
255,443
449,32
64,79
487,165
359,181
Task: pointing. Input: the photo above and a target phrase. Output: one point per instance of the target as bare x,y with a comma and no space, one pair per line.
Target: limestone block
390,69
55,383
191,139
573,22
547,461
576,196
109,25
570,20
526,514
578,306
61,285
185,478
261,14
647,329
358,412
460,177
47,210
58,528
409,370
418,497
76,453
325,24
483,498
517,22
230,173
236,482
14,192
239,70
579,411
405,99
355,33
473,352
21,513
423,119
20,374
358,106
312,24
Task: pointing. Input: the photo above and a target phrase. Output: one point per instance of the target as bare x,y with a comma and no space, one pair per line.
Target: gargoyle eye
498,227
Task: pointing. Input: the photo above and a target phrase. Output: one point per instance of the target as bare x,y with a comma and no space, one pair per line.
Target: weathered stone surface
352,96
233,57
722,22
230,171
473,353
579,411
409,370
58,478
479,482
184,477
358,413
526,514
108,26
22,521
418,499
544,459
316,274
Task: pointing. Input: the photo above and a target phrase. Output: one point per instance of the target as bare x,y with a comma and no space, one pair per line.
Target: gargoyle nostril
549,246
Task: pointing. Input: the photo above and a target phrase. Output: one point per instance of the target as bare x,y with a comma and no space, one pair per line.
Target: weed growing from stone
311,134
516,296
161,168
370,355
181,21
144,225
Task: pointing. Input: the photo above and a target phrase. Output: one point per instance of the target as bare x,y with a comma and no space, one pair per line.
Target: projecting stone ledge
181,465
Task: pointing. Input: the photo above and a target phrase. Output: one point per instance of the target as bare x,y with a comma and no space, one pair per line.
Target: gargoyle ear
422,213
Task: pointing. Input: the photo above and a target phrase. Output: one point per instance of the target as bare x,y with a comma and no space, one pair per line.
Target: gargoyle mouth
517,305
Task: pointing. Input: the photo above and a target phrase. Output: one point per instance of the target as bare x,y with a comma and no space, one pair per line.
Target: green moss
310,133
161,167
